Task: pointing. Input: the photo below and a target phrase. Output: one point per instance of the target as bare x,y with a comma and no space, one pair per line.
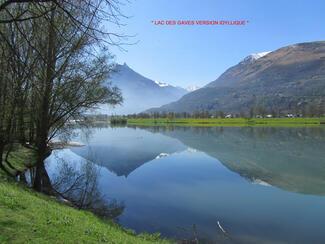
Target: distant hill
290,78
140,93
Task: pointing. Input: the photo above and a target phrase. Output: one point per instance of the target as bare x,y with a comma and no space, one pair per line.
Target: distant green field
231,122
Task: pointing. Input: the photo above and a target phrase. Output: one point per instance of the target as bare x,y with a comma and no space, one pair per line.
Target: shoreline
232,122
56,144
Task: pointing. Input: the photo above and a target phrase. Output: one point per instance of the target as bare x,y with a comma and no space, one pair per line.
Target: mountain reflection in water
261,184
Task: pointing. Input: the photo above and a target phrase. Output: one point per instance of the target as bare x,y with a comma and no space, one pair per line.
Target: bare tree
61,71
16,64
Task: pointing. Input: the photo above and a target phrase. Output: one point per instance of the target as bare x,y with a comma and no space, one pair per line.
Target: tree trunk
2,147
1,155
42,181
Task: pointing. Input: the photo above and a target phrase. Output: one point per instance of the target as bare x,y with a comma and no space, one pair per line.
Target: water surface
261,184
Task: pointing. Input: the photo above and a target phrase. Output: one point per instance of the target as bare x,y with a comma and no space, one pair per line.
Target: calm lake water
262,185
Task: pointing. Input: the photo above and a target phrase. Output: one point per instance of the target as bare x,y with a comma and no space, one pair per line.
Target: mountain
140,93
192,88
283,80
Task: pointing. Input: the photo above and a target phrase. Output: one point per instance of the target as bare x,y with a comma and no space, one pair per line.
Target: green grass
231,122
30,217
20,158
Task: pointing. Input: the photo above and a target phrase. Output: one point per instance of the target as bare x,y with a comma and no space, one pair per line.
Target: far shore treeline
203,119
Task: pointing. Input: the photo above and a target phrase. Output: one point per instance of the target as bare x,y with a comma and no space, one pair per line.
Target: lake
217,184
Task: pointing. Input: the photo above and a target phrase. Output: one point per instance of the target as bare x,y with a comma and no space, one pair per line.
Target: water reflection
184,182
122,150
76,180
289,158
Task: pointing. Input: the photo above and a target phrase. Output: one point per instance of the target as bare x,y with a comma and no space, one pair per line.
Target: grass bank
30,217
231,122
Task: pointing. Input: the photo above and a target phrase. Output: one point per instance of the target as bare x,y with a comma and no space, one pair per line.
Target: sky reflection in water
261,184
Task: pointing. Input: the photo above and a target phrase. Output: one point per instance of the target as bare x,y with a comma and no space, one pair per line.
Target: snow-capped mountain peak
192,88
161,84
255,56
259,55
139,92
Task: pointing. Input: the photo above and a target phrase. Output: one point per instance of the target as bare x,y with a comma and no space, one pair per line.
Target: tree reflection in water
77,185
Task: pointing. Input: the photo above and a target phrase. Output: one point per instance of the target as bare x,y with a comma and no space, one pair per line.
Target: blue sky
196,55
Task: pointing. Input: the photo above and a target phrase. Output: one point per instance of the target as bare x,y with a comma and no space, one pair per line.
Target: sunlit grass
30,217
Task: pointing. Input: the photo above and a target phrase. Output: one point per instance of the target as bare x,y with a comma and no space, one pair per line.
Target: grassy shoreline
27,216
30,217
282,122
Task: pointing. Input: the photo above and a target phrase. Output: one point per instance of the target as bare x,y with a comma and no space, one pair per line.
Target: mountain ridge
139,92
289,78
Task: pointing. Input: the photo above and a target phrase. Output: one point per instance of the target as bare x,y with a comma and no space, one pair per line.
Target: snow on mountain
259,55
289,75
256,56
192,88
140,93
161,84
